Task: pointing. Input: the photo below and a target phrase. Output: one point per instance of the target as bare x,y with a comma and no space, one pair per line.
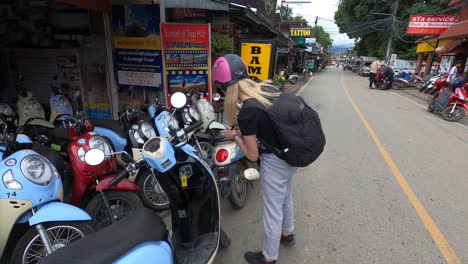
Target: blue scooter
129,133
34,221
142,237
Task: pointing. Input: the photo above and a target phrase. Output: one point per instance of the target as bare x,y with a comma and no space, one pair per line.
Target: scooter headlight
10,182
147,130
64,101
99,143
172,122
6,110
36,169
194,113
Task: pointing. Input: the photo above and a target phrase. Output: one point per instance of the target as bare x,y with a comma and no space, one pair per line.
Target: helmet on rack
228,69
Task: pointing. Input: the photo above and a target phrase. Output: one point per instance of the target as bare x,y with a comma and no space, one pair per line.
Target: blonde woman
231,75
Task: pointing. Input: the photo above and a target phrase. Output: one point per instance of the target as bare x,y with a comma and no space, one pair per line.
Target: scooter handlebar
123,174
193,127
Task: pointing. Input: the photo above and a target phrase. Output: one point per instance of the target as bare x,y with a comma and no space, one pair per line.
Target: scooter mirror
216,97
94,157
178,100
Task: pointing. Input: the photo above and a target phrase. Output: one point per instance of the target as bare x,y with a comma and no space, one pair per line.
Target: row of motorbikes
155,157
451,101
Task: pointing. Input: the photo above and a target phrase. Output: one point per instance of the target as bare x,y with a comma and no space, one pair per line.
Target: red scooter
107,200
457,104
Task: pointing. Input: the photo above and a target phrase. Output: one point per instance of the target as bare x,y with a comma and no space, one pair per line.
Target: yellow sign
424,46
300,32
257,57
143,43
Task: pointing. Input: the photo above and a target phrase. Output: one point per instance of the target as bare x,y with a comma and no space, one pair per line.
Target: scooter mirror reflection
94,157
178,100
216,97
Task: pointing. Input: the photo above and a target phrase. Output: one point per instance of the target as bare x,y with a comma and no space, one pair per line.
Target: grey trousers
278,212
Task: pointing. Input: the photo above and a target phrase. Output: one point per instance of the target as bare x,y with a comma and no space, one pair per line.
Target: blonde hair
249,88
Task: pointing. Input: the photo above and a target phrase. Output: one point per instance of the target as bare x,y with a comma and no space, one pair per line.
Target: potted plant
221,44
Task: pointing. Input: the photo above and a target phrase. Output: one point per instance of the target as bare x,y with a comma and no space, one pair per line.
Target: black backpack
298,129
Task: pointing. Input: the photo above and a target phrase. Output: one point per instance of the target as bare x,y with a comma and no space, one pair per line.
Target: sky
325,10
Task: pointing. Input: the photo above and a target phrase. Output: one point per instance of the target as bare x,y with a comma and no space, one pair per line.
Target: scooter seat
112,242
113,125
59,133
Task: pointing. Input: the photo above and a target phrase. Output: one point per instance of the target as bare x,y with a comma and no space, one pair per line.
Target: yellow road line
442,243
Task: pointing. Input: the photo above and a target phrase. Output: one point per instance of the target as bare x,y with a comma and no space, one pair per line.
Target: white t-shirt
452,75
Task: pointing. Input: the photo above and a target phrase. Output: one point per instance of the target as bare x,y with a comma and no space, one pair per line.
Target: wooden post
420,61
430,57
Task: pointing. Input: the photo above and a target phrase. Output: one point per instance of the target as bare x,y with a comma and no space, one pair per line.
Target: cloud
325,10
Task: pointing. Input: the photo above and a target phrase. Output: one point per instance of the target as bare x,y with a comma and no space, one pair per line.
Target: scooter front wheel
121,203
457,114
151,192
293,80
224,240
239,188
30,248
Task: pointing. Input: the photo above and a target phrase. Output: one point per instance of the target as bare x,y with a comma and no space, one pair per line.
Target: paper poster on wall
137,45
257,56
186,57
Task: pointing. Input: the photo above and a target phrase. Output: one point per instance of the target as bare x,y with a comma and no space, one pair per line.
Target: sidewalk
415,93
293,88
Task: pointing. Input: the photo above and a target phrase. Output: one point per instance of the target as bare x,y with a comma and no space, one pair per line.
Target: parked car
364,70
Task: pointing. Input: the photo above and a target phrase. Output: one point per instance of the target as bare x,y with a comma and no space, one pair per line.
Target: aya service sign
429,24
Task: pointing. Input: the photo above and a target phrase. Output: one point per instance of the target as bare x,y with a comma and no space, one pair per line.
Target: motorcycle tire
293,80
29,241
224,239
239,188
458,114
432,92
98,212
397,85
420,86
152,195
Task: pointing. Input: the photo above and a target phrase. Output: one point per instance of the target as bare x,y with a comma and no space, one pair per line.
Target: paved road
357,203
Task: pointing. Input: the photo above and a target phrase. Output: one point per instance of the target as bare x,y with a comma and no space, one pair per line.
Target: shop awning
201,4
428,45
252,20
101,5
457,31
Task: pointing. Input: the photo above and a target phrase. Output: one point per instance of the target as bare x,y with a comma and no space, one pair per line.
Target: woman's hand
228,133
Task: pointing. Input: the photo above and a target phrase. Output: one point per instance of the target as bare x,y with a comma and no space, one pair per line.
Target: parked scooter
290,78
9,116
30,197
129,133
90,182
195,211
451,105
403,79
60,106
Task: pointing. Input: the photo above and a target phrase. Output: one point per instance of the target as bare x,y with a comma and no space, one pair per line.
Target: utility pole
390,36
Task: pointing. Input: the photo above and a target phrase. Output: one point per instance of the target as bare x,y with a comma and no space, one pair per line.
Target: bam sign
300,32
257,57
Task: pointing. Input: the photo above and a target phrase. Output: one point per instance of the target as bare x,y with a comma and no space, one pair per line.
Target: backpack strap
253,103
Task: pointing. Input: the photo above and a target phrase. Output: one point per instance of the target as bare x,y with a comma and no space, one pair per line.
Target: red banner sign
186,58
429,24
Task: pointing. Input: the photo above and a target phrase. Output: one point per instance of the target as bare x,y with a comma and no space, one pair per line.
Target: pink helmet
228,69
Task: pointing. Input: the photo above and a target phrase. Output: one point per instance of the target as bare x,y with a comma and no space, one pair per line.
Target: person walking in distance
231,75
374,67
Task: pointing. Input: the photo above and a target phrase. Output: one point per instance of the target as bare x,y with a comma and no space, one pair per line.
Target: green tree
370,23
323,38
286,13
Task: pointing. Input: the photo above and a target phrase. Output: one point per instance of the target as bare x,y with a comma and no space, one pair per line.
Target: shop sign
257,56
429,45
178,13
429,24
187,58
137,45
300,32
